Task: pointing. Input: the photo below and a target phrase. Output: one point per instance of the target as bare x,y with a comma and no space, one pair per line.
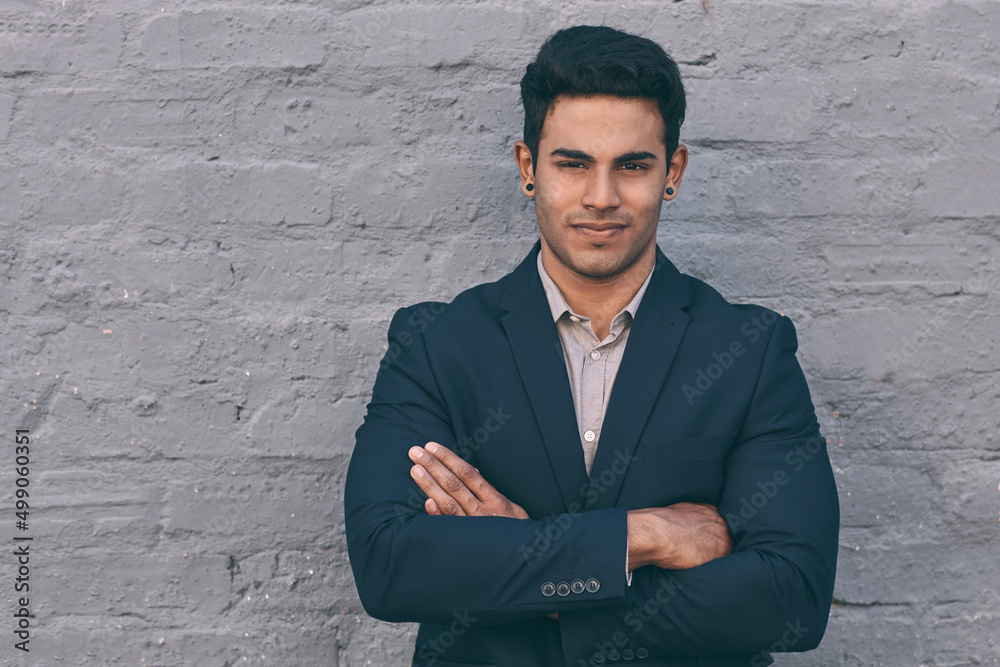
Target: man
596,458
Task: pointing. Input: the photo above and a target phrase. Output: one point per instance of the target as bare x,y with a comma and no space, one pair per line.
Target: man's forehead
612,120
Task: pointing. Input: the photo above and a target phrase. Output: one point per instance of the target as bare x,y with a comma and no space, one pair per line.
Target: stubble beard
592,264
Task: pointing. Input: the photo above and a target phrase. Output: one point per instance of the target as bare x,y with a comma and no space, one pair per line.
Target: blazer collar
524,280
653,341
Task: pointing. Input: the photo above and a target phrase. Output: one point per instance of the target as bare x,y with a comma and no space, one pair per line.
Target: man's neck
600,299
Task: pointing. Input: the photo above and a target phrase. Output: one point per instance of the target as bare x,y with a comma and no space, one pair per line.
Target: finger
491,502
450,483
463,470
443,503
458,477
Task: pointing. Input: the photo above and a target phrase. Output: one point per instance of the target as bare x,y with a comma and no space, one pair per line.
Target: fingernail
416,452
432,447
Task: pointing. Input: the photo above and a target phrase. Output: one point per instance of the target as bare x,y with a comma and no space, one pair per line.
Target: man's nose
601,191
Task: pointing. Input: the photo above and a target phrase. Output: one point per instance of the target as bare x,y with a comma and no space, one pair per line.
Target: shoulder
472,309
713,317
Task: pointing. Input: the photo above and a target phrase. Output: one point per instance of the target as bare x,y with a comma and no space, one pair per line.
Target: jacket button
548,589
598,658
562,589
642,653
613,654
593,585
628,654
578,586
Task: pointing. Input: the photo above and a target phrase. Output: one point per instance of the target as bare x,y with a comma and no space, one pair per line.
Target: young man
595,458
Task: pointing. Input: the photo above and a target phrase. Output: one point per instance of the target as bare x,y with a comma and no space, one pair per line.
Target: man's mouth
599,231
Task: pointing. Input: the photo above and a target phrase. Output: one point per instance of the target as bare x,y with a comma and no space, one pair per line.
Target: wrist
639,545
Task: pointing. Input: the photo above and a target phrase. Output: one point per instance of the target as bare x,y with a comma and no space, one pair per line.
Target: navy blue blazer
709,405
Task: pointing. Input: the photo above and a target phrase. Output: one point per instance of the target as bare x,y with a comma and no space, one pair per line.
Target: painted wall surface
210,210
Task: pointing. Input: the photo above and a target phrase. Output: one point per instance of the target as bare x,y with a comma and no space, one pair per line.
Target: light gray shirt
592,364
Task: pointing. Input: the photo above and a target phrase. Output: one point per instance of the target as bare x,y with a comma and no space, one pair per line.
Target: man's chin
600,267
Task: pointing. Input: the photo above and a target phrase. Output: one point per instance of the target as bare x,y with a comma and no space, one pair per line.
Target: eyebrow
574,154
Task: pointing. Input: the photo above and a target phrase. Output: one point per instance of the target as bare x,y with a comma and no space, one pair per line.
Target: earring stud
529,187
670,191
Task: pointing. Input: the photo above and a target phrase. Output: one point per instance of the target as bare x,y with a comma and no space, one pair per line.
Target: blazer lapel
540,361
655,335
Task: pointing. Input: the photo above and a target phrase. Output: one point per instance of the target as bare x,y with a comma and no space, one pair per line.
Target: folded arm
418,559
410,565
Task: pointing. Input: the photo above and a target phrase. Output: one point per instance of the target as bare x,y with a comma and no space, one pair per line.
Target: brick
433,37
902,344
93,123
7,103
154,586
235,194
857,636
394,200
963,187
766,110
248,507
234,38
51,42
62,195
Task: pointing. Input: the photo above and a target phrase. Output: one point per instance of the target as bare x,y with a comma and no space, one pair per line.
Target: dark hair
596,60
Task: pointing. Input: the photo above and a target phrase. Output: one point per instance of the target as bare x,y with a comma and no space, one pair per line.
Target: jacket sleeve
410,566
774,591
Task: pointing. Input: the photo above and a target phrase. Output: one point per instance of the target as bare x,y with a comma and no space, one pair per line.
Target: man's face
599,183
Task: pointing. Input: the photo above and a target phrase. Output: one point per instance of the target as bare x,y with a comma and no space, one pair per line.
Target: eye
633,166
571,165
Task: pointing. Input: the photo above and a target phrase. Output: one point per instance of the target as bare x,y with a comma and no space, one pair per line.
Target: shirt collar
559,307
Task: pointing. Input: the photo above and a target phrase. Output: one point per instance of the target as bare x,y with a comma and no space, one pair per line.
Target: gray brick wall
210,211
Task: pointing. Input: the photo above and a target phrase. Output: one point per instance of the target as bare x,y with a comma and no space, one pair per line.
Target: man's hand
677,537
455,488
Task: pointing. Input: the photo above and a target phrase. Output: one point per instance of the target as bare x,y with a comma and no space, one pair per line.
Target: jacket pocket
690,448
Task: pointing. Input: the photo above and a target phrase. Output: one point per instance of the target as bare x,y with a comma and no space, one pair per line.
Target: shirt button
589,436
548,589
574,318
595,355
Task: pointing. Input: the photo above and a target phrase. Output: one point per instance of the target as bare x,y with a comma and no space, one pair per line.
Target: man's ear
678,163
522,155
